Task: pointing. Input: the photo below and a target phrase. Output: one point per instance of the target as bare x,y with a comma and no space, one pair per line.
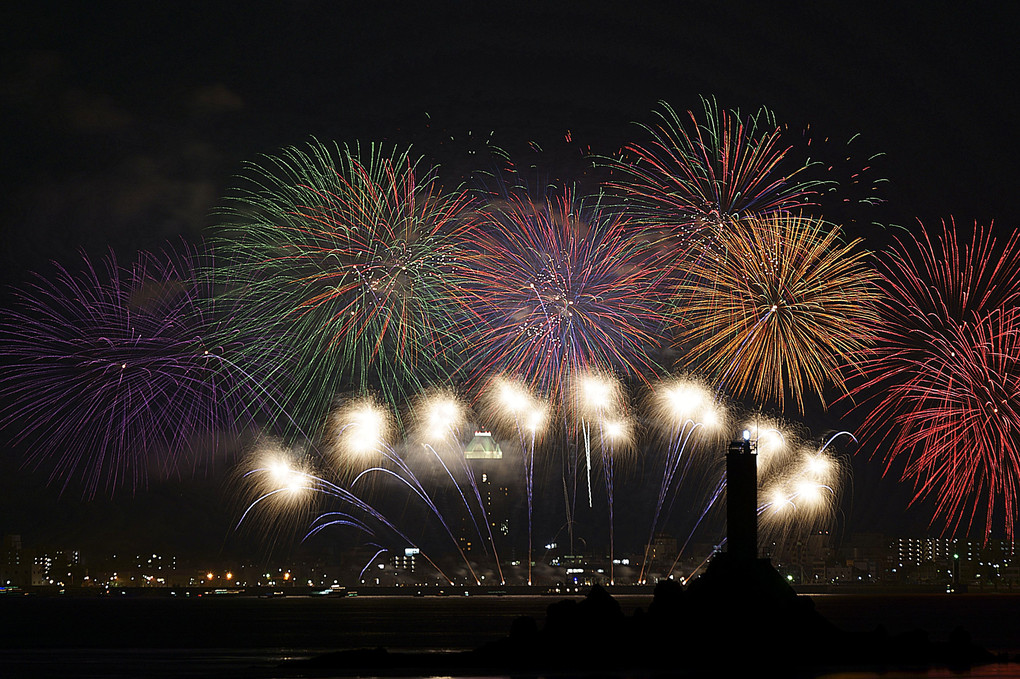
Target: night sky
123,125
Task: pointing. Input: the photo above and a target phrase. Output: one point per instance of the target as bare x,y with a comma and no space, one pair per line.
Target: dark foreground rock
738,615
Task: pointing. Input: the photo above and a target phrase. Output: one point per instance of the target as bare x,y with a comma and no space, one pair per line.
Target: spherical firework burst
283,483
561,286
510,406
942,379
122,374
798,491
684,401
710,172
343,259
783,312
358,434
597,397
439,419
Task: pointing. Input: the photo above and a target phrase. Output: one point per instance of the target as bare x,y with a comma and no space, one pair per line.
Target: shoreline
715,621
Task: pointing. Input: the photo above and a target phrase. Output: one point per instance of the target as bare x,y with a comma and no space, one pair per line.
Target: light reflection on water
234,638
265,664
997,671
117,663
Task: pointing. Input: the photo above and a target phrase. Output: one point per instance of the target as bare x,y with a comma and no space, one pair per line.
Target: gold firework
781,308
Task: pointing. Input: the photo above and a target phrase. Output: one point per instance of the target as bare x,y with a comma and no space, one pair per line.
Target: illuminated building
485,460
17,565
944,560
406,562
62,567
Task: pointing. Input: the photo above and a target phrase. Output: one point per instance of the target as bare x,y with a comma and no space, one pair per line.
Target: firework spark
560,286
120,374
942,379
782,313
342,259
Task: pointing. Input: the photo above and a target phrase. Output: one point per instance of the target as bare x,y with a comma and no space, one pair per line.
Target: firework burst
342,260
561,286
282,482
942,379
710,172
120,374
800,493
783,311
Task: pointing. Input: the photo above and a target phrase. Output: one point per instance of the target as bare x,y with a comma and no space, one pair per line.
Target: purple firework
119,374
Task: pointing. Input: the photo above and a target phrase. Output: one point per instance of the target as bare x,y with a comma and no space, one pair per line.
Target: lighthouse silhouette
742,500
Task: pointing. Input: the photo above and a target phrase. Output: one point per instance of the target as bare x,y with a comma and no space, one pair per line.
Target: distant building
18,567
660,554
61,567
484,458
944,560
407,562
15,565
806,557
138,570
869,555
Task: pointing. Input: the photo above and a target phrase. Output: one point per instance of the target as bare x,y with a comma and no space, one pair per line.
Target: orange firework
781,310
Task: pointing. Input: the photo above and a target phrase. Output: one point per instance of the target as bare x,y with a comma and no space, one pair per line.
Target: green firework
341,257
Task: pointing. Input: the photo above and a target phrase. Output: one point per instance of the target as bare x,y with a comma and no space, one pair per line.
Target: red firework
941,382
713,169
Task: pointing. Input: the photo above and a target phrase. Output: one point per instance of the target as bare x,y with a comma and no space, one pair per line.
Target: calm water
228,637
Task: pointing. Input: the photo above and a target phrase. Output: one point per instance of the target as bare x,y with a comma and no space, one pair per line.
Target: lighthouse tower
742,500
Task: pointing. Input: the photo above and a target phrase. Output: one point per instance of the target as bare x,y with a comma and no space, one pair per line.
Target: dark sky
123,123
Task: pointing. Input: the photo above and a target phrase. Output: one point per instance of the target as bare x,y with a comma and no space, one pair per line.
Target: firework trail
616,440
343,259
285,488
783,313
941,381
701,175
596,400
360,436
685,407
600,412
119,374
514,409
616,437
